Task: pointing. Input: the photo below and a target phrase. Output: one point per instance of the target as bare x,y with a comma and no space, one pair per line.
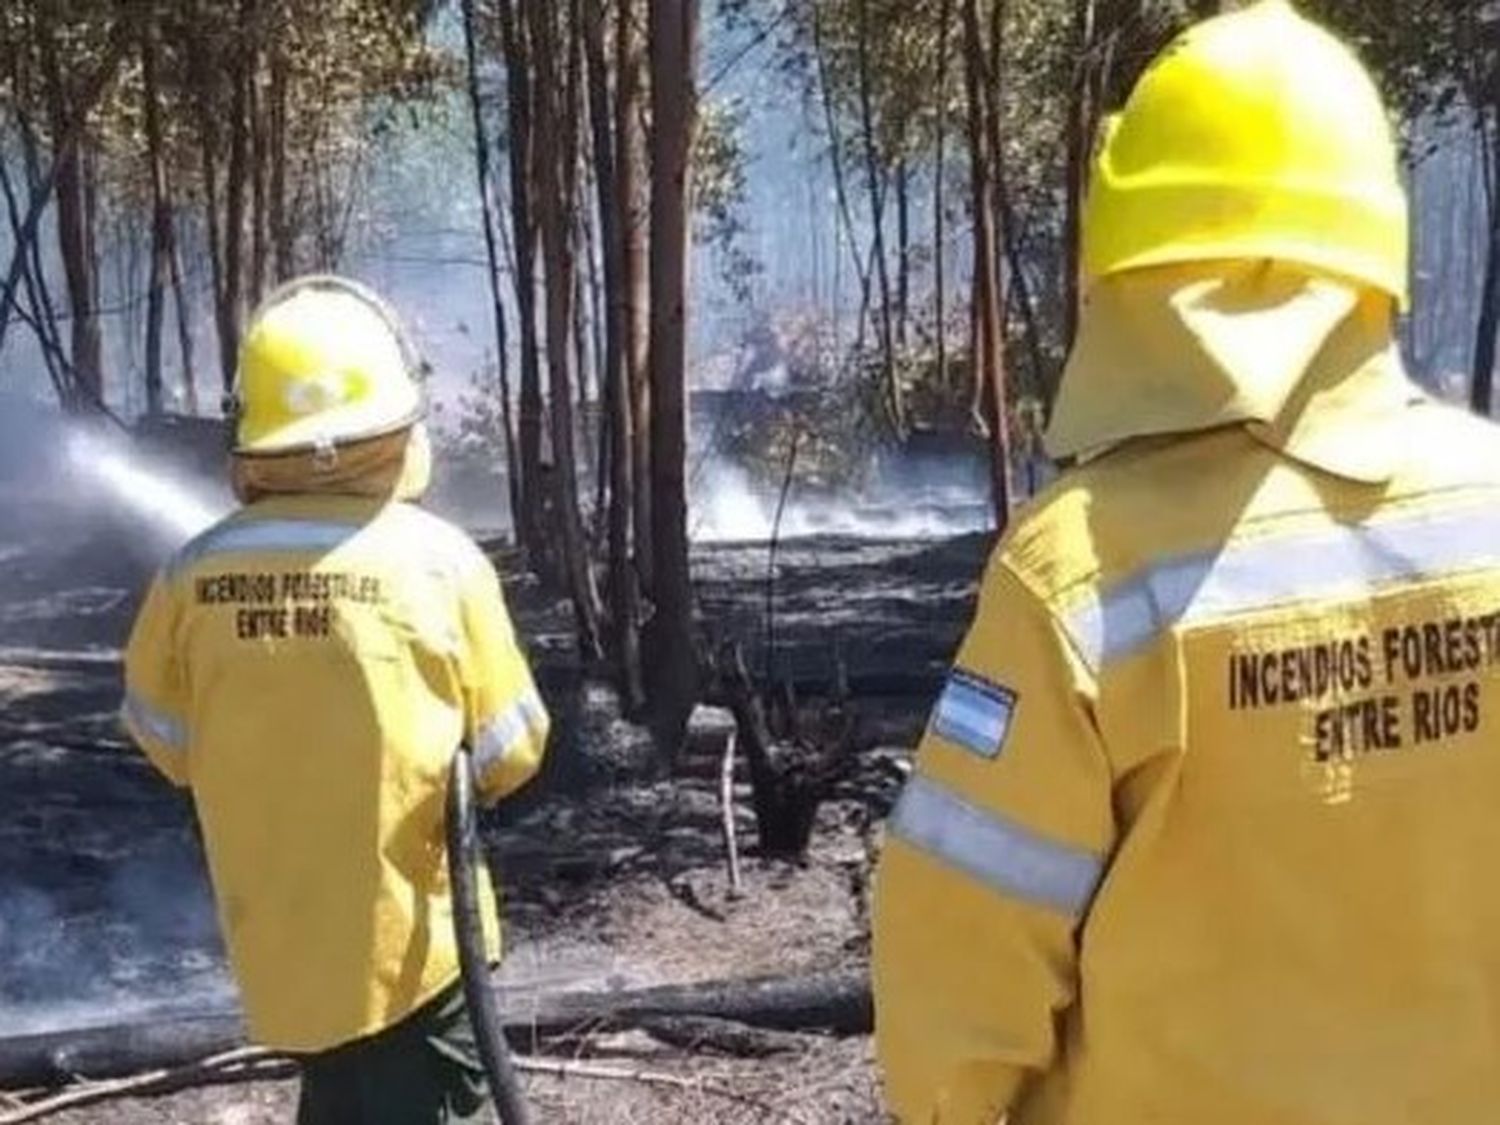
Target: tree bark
837,1001
161,216
939,203
987,338
43,321
492,257
1080,128
633,295
184,320
673,48
1481,387
65,144
278,221
614,218
875,177
836,161
73,234
903,249
231,316
557,147
518,63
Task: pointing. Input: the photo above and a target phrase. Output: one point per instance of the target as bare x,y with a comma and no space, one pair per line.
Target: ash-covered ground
105,913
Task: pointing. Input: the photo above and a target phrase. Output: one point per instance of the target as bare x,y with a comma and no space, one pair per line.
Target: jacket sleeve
990,861
506,722
155,708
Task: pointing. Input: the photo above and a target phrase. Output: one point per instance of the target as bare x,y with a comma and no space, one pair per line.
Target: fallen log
838,1002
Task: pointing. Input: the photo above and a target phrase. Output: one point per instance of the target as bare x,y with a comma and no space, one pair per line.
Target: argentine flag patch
974,713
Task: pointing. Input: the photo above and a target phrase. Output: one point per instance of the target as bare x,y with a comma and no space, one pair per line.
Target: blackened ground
608,879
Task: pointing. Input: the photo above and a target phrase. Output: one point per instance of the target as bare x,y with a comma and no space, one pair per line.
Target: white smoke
167,506
727,507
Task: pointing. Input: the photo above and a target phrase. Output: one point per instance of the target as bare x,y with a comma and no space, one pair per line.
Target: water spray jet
173,511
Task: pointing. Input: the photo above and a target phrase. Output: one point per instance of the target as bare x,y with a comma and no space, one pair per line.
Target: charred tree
673,666
790,777
518,49
633,294
232,314
43,321
492,258
278,223
903,249
939,202
74,233
836,1001
65,142
875,181
987,341
556,163
1482,385
618,424
836,163
161,216
1080,130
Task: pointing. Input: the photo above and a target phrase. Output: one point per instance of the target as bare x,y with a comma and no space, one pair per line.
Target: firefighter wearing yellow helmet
1203,825
308,668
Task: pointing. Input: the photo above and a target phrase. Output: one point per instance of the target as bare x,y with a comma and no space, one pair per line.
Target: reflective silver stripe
998,852
159,726
523,719
1332,562
264,535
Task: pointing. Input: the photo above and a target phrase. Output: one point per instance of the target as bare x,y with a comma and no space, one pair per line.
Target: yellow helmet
1255,135
324,362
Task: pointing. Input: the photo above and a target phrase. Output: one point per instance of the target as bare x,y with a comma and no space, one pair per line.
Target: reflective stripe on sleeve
495,740
1348,562
996,851
159,726
264,535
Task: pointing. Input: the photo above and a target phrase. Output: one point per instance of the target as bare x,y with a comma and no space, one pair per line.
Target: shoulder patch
974,713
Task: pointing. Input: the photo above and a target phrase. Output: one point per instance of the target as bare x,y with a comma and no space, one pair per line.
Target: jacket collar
1307,363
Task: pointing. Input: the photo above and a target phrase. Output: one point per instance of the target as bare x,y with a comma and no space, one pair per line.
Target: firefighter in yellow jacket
1205,822
308,668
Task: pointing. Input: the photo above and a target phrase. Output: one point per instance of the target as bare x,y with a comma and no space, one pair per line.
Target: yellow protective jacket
308,668
1204,825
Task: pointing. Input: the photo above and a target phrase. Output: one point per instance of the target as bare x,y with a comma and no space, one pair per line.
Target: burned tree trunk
673,665
789,778
1481,387
633,295
161,218
492,258
1080,129
64,145
613,219
986,314
74,234
903,249
939,203
557,148
875,179
836,1001
184,317
521,103
232,315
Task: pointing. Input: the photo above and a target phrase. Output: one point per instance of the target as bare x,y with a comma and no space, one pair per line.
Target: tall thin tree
673,49
557,183
492,258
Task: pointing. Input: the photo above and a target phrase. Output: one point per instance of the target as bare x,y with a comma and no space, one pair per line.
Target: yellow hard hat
1254,135
324,362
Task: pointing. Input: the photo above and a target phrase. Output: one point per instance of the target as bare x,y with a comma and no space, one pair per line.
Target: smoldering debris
130,938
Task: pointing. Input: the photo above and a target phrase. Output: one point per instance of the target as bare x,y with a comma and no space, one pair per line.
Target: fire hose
473,958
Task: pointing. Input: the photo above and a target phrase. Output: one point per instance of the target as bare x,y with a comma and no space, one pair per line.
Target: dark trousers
424,1070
